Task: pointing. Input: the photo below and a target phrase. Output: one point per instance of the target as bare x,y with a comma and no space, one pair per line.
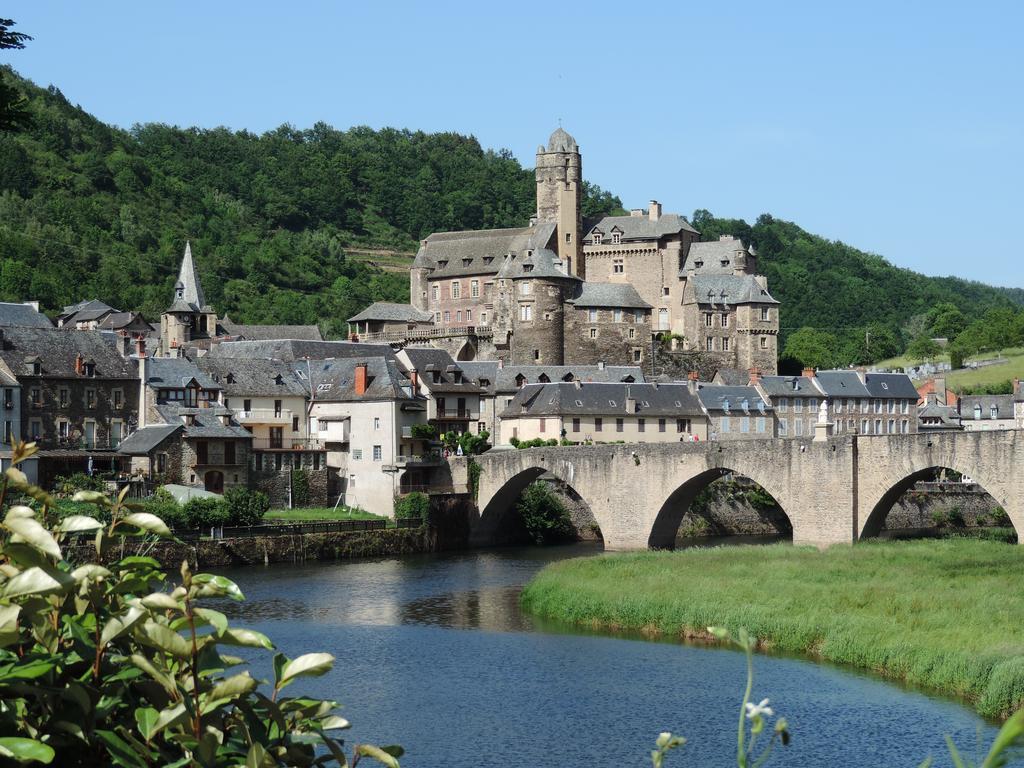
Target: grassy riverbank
947,614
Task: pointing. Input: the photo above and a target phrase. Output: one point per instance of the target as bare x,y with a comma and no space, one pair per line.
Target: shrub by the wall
414,504
205,513
245,507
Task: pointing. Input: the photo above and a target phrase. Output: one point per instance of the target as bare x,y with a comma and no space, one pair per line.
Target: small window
376,453
617,266
593,333
592,315
641,425
611,404
376,422
598,424
579,403
709,344
474,288
536,354
632,333
620,425
765,314
707,319
725,344
637,355
447,316
617,315
456,289
525,312
357,454
764,342
661,425
576,424
616,237
665,291
597,238
435,292
458,316
725,320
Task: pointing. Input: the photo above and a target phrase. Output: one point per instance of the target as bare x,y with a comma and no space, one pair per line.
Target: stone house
452,399
515,294
605,412
185,433
78,397
736,413
499,383
10,396
386,319
364,411
987,412
934,416
795,400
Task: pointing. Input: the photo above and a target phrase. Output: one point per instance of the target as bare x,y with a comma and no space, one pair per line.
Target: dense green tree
13,112
946,321
812,348
923,348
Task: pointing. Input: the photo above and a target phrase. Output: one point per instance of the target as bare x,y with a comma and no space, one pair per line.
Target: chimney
600,365
691,381
808,373
636,213
360,379
630,405
79,364
939,383
755,375
140,347
501,363
414,378
33,304
578,384
654,210
3,341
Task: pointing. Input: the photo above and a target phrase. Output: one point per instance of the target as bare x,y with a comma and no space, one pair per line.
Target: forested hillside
88,210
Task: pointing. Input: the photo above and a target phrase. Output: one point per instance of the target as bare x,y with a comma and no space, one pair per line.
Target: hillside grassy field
967,378
944,614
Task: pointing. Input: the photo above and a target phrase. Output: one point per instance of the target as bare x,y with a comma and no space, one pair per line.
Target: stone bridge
834,491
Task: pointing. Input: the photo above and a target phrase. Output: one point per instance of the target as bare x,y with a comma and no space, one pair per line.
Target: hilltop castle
565,290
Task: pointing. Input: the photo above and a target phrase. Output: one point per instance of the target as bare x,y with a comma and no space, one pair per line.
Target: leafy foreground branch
119,666
755,718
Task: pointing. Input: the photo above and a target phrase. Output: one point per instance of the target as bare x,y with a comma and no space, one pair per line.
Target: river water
434,654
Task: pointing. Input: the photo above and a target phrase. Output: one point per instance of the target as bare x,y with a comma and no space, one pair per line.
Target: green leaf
90,572
150,669
118,625
335,723
247,637
166,639
232,687
91,497
279,661
29,670
168,717
9,624
1009,735
256,755
378,754
29,530
217,586
215,618
16,478
26,750
120,751
36,581
148,522
145,718
19,510
307,665
160,600
73,523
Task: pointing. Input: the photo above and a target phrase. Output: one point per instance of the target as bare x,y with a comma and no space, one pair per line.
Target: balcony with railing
78,443
420,334
284,443
431,459
455,413
273,416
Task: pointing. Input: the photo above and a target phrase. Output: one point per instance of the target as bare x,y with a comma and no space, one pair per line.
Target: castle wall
615,342
541,339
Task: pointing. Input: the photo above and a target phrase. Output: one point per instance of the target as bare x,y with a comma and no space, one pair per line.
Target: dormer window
89,369
543,378
993,412
466,262
616,238
279,379
698,264
725,406
611,403
488,259
598,237
977,412
231,378
579,403
37,368
520,380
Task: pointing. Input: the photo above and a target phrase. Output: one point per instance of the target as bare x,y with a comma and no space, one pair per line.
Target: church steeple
189,317
191,290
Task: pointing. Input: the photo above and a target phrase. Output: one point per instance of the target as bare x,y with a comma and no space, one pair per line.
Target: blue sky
895,127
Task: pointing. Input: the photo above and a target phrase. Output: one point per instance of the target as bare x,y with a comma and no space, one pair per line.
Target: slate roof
271,332
298,349
256,377
58,349
897,385
736,377
841,384
603,399
427,361
506,379
208,423
637,227
618,295
947,416
117,320
388,311
175,373
1002,403
334,380
22,316
715,397
540,263
142,441
561,141
444,252
188,280
710,254
719,290
796,386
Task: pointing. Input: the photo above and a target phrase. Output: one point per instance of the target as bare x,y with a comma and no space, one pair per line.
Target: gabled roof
736,377
388,311
982,405
256,377
540,263
729,290
638,227
176,373
795,386
271,332
707,257
841,384
445,252
506,379
334,380
937,417
298,349
14,315
58,349
117,320
603,399
617,295
429,361
729,400
896,385
208,422
142,441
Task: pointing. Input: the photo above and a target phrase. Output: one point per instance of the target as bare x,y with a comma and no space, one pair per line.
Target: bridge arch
498,512
674,507
879,506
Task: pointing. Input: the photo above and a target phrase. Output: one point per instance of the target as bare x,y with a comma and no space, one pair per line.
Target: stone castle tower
559,192
189,317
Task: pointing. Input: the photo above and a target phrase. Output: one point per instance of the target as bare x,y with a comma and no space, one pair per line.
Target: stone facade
613,336
469,280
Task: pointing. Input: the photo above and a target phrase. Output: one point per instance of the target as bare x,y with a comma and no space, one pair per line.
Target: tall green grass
947,614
